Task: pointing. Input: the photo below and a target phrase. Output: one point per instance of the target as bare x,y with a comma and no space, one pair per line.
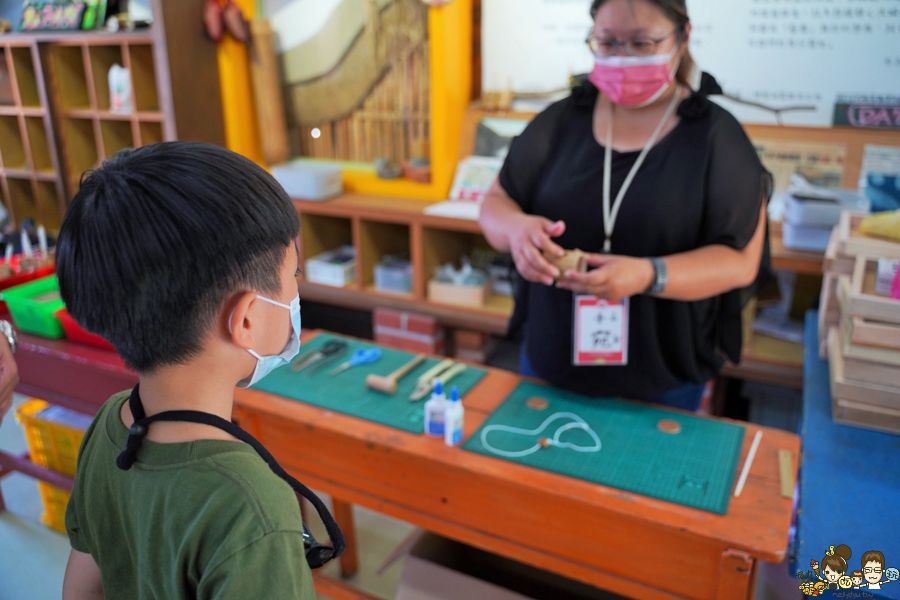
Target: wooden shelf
28,111
80,37
766,372
371,289
386,209
377,226
18,173
106,115
488,321
786,259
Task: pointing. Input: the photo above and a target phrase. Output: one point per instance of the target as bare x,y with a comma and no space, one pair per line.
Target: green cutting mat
694,468
347,392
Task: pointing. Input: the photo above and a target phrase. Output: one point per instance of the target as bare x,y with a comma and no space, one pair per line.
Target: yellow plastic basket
54,435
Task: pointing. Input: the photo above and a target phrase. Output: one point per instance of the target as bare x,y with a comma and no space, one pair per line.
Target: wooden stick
747,462
786,473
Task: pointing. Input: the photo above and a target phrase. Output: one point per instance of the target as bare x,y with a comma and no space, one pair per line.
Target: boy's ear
239,325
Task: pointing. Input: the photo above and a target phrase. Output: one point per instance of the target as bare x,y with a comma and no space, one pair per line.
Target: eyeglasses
872,570
637,46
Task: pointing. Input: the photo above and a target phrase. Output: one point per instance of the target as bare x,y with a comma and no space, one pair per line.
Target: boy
182,255
873,568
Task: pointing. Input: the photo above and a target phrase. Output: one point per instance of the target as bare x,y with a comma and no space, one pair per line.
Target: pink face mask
633,81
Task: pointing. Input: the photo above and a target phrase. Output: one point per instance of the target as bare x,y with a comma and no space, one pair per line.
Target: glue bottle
434,411
453,419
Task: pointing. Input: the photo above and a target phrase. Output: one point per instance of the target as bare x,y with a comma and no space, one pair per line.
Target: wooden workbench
580,530
622,542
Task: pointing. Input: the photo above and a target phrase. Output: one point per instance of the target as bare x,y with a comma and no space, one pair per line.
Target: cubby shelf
376,226
30,175
55,117
91,132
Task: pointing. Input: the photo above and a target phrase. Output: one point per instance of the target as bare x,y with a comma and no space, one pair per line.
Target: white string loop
577,423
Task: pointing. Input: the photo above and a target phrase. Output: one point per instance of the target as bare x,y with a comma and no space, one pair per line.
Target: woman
685,198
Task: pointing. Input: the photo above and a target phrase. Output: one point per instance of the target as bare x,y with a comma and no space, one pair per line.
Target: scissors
329,349
363,356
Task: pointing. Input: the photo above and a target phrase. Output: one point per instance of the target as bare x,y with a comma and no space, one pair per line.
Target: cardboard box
436,568
408,331
466,295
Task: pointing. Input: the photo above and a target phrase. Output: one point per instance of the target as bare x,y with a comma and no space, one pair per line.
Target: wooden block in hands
572,260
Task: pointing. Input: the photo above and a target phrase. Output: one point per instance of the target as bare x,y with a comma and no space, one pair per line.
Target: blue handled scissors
363,356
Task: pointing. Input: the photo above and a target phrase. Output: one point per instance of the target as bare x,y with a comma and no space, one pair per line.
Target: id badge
600,332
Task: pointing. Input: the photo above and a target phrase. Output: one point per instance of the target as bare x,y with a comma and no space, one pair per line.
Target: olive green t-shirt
205,519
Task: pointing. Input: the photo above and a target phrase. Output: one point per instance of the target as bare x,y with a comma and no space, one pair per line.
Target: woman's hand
528,236
615,277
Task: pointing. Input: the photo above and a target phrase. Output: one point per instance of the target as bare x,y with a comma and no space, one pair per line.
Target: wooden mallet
388,384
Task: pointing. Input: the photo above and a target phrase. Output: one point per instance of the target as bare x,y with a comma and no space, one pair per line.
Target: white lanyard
610,216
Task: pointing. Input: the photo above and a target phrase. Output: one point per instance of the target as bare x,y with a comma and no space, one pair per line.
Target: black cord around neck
138,431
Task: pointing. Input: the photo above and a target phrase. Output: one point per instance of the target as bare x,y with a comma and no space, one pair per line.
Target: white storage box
394,275
336,268
813,206
804,237
309,180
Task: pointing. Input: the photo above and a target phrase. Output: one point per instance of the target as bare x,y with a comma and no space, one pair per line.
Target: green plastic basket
32,306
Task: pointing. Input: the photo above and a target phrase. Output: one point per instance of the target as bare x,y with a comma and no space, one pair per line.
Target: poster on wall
780,53
798,53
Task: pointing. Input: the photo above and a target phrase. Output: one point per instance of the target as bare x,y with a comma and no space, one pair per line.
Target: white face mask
267,364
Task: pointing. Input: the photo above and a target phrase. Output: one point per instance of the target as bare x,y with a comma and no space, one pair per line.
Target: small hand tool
424,383
424,388
388,384
363,356
331,348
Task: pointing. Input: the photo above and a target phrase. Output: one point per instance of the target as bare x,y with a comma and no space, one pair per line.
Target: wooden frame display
852,242
450,67
865,332
860,299
836,262
878,354
856,391
868,405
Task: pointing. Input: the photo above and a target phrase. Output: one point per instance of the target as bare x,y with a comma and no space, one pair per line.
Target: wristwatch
7,330
660,279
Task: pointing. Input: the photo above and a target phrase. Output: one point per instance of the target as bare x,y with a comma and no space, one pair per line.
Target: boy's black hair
156,241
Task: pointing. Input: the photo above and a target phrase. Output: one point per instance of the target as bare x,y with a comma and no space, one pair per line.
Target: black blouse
701,184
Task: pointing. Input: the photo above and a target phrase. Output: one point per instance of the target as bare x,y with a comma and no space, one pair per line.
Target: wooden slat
22,464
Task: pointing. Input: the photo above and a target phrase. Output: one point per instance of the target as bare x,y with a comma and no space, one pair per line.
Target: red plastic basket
77,333
20,278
